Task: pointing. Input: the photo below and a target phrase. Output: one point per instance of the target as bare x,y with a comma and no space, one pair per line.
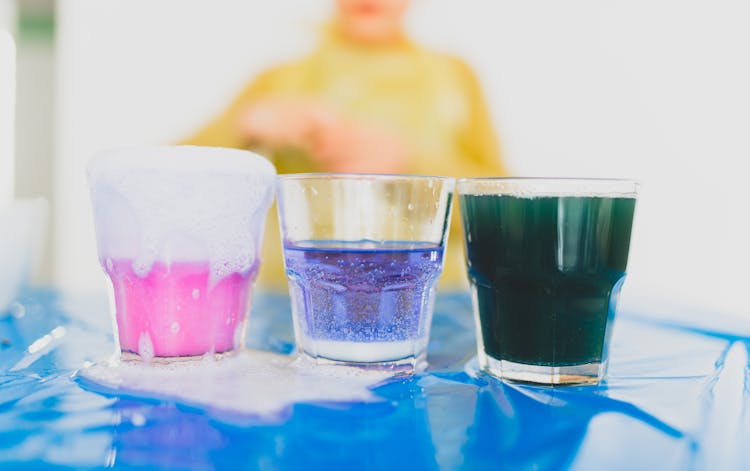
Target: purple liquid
362,291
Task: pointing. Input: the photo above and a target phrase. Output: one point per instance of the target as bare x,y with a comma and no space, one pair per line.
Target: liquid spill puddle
250,384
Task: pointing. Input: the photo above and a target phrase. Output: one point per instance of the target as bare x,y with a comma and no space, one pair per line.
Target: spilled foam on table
249,384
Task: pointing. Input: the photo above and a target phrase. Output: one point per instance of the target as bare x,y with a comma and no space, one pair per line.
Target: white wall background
651,89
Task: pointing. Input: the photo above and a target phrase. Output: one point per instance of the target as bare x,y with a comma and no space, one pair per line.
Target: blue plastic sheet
677,397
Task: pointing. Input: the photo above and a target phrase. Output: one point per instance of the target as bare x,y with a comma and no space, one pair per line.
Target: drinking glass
179,232
363,254
546,261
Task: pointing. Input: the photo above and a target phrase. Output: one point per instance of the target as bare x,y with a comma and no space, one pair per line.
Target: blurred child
367,100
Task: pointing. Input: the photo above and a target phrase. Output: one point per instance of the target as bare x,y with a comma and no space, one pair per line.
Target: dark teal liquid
546,273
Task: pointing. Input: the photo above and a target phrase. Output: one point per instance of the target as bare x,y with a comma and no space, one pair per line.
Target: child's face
372,20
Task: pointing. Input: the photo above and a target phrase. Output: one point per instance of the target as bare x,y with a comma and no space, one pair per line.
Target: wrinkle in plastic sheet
677,397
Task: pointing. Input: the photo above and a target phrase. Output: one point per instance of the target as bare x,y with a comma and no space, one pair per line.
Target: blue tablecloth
677,397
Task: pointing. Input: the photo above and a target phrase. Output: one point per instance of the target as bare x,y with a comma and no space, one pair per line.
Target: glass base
406,366
588,373
129,357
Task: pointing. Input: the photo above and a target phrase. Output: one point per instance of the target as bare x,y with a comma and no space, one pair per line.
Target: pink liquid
173,311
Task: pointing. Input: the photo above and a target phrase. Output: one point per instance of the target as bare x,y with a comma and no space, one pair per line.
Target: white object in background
8,15
7,116
22,229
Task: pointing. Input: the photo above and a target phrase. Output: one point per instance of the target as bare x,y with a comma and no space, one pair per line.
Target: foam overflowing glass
178,232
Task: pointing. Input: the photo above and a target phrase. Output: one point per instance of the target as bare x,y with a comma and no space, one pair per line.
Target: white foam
145,347
549,187
364,352
181,203
253,383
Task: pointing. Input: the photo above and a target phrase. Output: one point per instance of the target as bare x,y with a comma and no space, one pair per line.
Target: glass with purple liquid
363,254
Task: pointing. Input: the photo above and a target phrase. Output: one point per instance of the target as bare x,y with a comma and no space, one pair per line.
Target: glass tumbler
546,261
363,254
178,233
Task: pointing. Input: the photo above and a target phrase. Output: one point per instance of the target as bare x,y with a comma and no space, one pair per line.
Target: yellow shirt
432,101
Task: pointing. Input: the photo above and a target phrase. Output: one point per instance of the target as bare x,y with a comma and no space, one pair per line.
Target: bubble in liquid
141,268
138,419
196,293
175,327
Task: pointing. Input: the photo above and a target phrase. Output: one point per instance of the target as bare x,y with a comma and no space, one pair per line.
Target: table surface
677,396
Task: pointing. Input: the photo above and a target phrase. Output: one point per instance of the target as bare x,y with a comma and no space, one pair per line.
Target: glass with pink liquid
179,233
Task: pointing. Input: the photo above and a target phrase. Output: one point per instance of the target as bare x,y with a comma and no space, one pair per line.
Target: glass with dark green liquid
546,261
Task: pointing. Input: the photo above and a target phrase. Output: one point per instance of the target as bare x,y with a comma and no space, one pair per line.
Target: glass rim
549,186
179,159
360,176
